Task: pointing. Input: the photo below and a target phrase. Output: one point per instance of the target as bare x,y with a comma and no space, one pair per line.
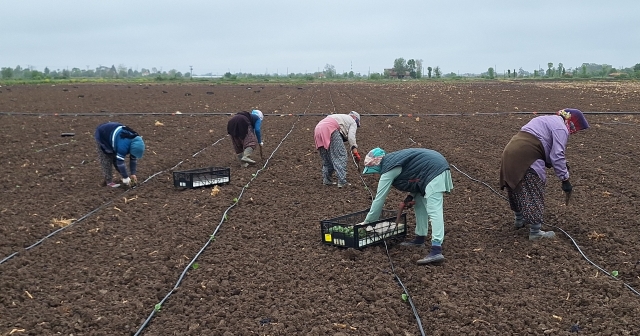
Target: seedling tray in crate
201,177
348,230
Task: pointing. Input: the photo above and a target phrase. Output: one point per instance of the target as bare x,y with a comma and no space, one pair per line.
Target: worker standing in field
245,130
426,176
114,142
329,135
539,144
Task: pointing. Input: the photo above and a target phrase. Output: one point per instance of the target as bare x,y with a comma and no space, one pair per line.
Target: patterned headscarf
372,161
574,119
357,115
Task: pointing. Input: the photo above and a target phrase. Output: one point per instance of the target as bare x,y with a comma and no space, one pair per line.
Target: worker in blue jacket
114,142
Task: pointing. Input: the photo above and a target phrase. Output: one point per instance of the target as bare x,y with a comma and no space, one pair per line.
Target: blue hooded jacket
115,140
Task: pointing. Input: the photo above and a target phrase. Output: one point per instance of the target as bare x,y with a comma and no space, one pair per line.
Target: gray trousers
334,159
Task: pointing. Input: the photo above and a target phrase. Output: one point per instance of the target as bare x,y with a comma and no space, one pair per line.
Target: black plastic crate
201,177
347,230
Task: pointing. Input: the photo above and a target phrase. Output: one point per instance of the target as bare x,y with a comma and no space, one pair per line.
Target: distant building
393,74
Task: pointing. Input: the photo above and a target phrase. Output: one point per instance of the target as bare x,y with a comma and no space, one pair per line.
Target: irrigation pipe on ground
87,215
563,231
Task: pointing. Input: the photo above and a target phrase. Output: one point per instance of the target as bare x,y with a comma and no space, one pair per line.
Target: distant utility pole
191,72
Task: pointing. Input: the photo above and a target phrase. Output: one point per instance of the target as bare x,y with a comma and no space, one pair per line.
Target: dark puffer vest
419,167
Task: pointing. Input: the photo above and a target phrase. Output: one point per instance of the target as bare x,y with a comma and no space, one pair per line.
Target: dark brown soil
267,271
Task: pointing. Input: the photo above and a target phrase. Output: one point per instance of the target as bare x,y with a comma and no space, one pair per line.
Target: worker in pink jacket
329,135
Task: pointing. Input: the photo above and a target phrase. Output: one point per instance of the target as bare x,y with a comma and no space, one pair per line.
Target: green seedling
212,238
157,307
225,218
254,175
614,273
404,297
235,200
195,266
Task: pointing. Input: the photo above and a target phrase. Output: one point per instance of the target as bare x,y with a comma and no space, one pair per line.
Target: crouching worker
425,175
245,130
114,142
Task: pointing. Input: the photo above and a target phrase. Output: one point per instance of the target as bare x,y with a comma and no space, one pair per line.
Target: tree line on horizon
401,69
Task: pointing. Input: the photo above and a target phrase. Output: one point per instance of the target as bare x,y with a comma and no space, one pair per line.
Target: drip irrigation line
462,114
488,186
87,215
618,123
567,234
158,306
406,291
361,178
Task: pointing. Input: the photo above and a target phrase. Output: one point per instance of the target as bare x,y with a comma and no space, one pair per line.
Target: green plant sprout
157,307
254,175
212,238
235,200
614,273
195,266
404,297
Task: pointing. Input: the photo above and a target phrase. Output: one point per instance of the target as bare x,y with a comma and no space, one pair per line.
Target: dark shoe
413,243
328,182
519,223
434,256
541,234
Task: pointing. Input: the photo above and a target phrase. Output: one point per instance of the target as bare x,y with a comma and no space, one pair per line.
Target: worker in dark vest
538,145
114,142
245,130
425,175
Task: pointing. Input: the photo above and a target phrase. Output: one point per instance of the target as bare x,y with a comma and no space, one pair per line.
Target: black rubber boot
434,256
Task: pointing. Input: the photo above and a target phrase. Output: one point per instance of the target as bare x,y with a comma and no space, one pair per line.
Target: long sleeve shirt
108,137
384,186
348,128
553,134
257,126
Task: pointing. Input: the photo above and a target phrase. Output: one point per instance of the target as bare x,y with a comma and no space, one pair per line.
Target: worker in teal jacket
425,175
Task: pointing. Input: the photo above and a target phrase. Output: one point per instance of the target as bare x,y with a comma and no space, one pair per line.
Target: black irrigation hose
563,231
393,271
158,306
87,215
406,291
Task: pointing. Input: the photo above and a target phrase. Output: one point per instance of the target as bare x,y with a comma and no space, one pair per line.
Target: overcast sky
287,36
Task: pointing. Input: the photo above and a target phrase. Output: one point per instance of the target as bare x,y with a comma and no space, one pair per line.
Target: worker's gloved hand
356,155
126,181
566,186
409,202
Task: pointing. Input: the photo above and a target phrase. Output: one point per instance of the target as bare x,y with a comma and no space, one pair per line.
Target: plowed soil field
81,259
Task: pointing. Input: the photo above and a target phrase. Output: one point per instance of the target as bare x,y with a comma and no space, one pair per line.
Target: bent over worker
329,135
245,130
426,176
114,142
540,143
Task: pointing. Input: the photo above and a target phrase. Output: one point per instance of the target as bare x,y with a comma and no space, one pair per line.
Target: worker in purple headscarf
538,145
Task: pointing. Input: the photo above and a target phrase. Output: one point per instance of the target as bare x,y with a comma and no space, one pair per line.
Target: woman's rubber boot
245,158
541,235
434,256
418,241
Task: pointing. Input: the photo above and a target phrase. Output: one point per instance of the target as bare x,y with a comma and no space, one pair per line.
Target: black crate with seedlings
201,177
349,230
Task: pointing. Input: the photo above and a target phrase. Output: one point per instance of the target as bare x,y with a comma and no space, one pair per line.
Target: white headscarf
258,113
